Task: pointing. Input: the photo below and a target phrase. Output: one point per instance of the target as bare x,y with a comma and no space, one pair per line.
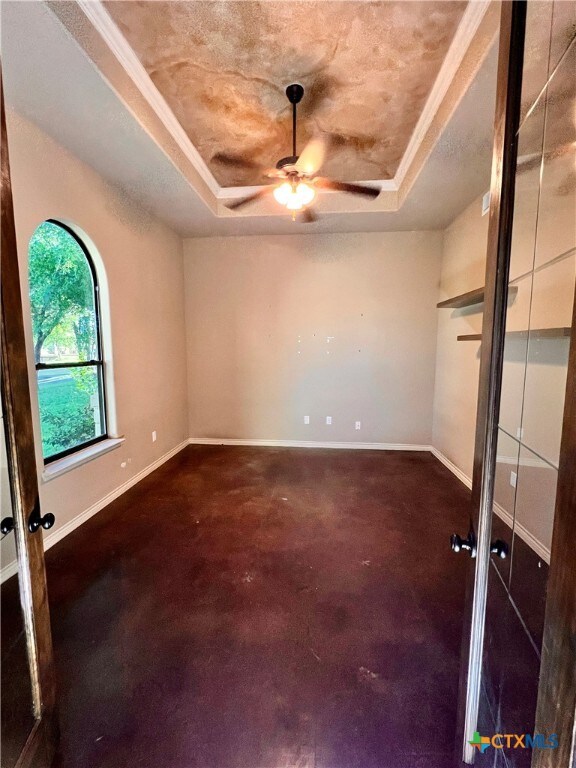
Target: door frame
40,747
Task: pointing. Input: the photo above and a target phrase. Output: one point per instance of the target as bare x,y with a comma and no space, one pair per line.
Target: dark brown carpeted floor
264,608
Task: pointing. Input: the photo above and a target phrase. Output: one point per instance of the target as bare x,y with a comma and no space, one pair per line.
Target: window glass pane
71,408
61,297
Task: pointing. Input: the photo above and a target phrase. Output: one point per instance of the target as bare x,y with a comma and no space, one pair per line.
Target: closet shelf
470,298
535,333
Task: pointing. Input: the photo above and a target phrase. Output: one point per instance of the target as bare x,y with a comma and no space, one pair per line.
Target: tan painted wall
458,362
143,262
319,325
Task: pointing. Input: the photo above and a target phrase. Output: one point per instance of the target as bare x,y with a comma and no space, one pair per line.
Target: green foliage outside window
62,301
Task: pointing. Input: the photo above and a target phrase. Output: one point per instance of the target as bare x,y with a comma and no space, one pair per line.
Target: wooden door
518,681
31,738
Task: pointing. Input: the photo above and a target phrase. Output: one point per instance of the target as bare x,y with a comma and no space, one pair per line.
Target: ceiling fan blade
312,156
534,159
322,88
274,173
235,204
344,186
528,162
307,216
234,161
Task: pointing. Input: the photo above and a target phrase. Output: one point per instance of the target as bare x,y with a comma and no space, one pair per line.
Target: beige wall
143,263
458,362
319,325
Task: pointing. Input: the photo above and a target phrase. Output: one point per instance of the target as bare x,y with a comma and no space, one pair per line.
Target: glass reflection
16,718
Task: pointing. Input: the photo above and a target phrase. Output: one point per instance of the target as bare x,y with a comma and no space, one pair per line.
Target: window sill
65,464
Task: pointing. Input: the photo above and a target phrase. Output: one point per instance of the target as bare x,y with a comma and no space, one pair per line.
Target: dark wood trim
533,333
504,155
23,477
557,690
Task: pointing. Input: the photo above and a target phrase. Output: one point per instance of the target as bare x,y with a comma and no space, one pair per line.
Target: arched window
67,341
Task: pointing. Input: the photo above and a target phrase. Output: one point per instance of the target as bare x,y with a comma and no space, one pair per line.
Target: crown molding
465,33
101,20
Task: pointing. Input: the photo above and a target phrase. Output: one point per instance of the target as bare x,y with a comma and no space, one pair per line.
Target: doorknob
469,543
6,526
500,548
35,521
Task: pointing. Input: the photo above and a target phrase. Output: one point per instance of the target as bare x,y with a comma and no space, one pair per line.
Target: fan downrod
294,92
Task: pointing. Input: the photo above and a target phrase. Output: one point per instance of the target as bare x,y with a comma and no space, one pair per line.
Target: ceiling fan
296,175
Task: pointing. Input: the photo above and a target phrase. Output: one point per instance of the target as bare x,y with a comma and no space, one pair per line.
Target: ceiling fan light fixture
283,193
305,192
294,204
294,196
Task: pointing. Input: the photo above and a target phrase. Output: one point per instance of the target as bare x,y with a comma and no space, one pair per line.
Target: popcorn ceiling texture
222,67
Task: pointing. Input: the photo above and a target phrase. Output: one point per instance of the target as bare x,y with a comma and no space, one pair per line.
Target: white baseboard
307,444
462,476
55,536
523,533
8,571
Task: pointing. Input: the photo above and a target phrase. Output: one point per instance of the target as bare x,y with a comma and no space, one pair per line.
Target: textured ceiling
222,66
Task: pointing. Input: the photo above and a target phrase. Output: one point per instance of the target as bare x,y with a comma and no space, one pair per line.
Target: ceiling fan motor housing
285,161
295,91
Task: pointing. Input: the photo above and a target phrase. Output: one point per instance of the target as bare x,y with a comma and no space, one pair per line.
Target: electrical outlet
513,479
357,424
328,419
154,436
485,203
123,465
306,419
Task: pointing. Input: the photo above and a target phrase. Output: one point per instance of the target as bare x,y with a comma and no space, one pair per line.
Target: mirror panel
505,480
547,359
527,191
535,500
557,214
536,48
515,351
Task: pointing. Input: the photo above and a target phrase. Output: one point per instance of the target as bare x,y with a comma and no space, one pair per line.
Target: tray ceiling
222,67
